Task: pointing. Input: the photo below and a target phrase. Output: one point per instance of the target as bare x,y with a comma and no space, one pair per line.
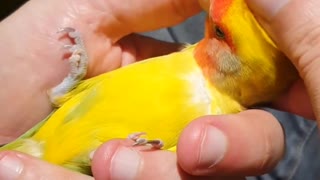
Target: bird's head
238,57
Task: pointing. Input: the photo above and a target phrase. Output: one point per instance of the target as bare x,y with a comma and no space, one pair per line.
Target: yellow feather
158,96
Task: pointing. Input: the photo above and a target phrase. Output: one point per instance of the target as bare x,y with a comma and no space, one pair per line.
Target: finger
117,159
15,165
141,47
296,101
294,26
133,48
205,4
117,19
141,15
248,143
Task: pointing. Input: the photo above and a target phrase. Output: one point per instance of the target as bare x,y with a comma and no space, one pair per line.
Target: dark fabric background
8,6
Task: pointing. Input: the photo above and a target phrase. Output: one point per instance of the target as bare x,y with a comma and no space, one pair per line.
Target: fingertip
188,146
247,143
102,158
201,146
16,165
118,160
11,166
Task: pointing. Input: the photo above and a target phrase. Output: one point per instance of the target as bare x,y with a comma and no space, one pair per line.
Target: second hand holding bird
224,73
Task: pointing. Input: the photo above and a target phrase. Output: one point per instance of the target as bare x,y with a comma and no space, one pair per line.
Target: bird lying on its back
235,66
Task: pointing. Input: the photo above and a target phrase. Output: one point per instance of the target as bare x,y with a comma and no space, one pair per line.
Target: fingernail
213,147
266,8
10,167
91,154
125,164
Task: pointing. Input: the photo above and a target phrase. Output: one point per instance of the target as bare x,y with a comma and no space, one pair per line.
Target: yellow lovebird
235,66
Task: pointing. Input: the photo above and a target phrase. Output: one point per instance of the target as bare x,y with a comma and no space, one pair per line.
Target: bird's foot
78,61
138,141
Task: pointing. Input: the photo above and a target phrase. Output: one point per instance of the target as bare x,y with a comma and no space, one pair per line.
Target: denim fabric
302,156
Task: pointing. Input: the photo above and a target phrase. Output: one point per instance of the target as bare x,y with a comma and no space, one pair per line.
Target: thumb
294,26
14,165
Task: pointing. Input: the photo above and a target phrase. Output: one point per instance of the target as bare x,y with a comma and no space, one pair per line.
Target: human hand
254,138
248,143
33,50
293,25
15,166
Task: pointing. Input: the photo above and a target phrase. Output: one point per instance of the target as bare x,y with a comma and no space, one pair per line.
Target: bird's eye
219,33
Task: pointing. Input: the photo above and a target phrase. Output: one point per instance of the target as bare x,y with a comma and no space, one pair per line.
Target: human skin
254,137
32,53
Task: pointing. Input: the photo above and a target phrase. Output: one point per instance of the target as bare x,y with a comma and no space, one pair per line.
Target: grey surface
189,31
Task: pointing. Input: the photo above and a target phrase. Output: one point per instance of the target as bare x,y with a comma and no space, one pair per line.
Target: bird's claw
138,141
78,61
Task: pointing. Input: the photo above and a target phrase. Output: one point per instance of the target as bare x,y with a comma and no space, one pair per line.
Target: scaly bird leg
157,144
136,137
78,61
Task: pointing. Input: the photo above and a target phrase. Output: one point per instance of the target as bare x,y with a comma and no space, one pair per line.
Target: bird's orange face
217,12
237,56
216,52
216,26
